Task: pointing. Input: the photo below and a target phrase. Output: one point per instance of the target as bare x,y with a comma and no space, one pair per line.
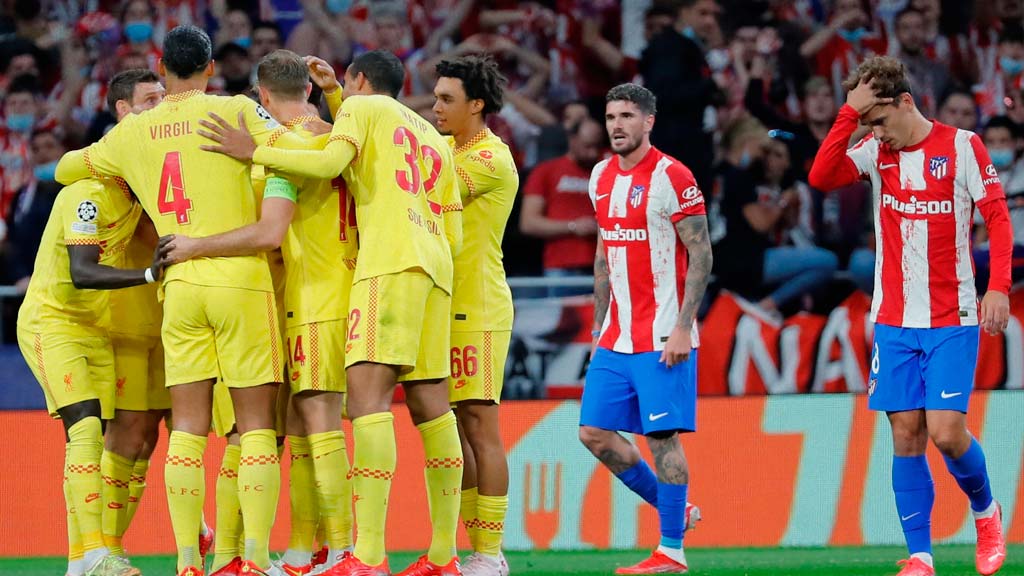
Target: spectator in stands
21,108
674,67
1004,140
137,20
1003,76
235,69
18,57
747,260
236,27
326,31
959,110
554,137
928,77
30,209
850,37
776,178
557,207
266,37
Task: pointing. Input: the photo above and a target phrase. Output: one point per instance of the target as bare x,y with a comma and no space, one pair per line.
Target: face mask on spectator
338,6
852,36
1002,158
1011,65
745,160
20,122
138,32
690,33
243,41
46,171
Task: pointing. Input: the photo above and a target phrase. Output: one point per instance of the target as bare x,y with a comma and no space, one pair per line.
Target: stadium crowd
747,90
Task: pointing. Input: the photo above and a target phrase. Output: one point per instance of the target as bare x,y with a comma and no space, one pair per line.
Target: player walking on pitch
652,267
927,178
467,90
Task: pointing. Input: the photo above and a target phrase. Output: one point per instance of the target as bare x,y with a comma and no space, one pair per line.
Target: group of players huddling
159,293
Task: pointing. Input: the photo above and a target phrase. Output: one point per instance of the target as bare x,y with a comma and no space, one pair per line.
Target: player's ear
209,69
309,89
122,108
160,68
476,106
649,123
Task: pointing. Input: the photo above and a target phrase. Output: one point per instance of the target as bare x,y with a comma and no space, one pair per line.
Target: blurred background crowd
747,90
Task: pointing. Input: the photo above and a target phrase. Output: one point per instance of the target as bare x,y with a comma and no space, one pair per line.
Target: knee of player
595,439
952,442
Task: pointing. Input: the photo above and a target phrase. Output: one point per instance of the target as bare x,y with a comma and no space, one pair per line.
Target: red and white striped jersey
924,200
636,212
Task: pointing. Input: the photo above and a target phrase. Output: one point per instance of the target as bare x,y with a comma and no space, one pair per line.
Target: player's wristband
149,276
595,333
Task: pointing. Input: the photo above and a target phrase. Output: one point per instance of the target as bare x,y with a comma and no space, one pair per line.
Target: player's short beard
631,145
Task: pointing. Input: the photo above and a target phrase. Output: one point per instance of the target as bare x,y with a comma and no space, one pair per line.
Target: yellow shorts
478,365
139,367
72,367
226,333
316,356
401,320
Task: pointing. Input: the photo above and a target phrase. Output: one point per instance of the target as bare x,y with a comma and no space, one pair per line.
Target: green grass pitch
868,561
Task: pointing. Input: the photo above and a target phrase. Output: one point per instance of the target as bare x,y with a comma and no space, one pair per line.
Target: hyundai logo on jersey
636,195
937,166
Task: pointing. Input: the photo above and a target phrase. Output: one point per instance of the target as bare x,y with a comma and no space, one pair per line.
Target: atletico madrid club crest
937,166
636,195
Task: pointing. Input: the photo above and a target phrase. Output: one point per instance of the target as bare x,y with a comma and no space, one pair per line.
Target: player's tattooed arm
602,286
693,231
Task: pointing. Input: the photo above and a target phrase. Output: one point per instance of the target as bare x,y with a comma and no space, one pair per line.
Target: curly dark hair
889,75
480,78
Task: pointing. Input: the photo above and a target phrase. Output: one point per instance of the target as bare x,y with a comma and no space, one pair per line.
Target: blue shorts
930,368
637,393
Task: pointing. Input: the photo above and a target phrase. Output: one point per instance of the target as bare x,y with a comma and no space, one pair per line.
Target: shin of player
927,180
643,372
467,90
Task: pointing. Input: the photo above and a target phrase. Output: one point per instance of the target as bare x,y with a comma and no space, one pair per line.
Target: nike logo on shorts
885,166
905,518
946,396
601,196
655,417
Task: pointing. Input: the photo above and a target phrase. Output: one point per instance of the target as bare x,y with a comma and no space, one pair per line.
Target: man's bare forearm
693,231
602,287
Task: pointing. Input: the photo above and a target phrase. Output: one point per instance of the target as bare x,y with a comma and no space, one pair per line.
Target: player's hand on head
863,98
995,312
231,141
322,74
677,349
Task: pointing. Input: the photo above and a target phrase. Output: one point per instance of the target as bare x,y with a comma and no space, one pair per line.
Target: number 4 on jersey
171,177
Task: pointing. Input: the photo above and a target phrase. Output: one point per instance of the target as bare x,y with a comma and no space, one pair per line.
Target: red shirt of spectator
564,186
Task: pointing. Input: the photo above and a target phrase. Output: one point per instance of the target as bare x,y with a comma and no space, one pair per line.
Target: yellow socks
334,495
75,551
468,514
302,496
186,488
490,512
82,465
229,516
116,471
373,467
259,485
443,452
136,486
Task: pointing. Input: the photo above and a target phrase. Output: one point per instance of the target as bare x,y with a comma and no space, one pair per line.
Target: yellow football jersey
88,212
403,182
136,311
185,190
488,182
